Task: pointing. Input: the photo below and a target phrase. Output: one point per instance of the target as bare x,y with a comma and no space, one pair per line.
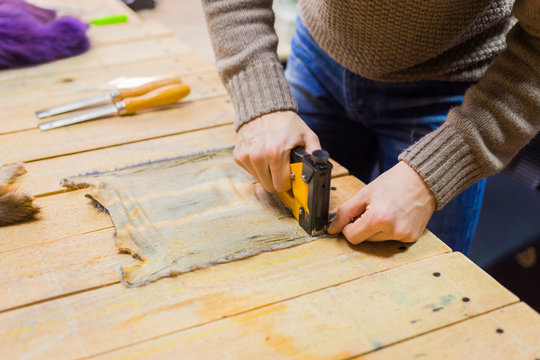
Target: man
373,80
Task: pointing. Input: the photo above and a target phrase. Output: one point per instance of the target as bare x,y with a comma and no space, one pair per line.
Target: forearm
499,116
244,41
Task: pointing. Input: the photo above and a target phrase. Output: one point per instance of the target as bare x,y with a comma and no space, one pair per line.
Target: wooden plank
87,10
24,98
341,321
35,144
60,267
476,338
62,216
103,57
43,177
41,254
75,81
130,31
134,29
69,213
109,317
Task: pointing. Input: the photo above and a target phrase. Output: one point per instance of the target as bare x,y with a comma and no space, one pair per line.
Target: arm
245,43
499,116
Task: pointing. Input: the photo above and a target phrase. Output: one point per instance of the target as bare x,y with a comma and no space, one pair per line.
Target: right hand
263,147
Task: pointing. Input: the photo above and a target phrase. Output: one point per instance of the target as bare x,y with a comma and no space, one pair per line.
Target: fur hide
30,35
14,206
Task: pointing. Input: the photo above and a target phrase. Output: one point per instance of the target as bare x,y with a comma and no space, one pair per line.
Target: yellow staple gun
309,195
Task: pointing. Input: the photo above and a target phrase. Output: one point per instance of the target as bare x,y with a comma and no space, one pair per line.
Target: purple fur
31,35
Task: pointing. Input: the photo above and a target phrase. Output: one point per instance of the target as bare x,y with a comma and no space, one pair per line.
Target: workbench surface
61,297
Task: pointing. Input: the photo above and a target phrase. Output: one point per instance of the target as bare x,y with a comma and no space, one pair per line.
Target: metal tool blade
95,113
99,99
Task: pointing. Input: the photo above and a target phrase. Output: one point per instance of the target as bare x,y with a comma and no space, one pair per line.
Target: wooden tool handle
162,96
147,87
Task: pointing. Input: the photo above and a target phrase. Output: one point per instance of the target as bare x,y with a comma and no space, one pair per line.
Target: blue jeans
366,124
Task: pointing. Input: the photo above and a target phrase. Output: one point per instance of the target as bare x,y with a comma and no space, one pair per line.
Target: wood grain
109,317
475,339
69,213
186,116
62,216
87,10
103,57
125,32
43,177
29,263
341,321
21,98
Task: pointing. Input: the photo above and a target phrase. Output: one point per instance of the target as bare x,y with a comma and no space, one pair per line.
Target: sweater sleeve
499,115
245,43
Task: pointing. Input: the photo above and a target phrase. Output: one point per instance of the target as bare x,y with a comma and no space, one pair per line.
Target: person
433,96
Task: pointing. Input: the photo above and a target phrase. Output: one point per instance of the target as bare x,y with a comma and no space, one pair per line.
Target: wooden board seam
184,102
197,71
243,311
433,330
131,142
52,298
239,313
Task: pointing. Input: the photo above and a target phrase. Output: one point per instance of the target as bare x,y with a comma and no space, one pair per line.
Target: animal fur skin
30,35
14,206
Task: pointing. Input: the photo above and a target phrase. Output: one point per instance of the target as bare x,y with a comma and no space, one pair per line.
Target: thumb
348,211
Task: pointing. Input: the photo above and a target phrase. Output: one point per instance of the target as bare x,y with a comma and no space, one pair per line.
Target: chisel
115,94
162,96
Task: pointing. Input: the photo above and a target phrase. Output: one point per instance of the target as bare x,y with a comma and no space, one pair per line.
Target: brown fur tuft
14,206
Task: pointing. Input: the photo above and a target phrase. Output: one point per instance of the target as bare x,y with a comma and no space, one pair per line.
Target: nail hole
67,80
436,274
499,331
402,248
333,188
466,299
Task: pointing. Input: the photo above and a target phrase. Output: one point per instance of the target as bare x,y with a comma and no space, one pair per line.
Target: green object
113,19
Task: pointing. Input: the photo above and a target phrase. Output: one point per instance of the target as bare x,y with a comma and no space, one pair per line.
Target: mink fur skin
14,206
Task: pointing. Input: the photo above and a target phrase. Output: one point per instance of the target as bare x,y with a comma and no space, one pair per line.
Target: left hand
395,206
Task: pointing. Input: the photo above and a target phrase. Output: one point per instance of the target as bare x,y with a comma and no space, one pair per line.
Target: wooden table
61,297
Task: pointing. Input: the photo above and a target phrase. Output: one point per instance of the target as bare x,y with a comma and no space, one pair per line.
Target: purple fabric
30,35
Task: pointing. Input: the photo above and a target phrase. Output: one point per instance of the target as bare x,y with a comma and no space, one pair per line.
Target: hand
395,206
263,147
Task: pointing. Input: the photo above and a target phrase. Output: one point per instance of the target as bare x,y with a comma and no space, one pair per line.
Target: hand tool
115,94
162,96
309,195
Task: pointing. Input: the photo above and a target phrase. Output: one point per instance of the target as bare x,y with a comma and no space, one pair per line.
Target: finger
241,157
380,236
311,143
347,211
360,230
262,170
280,170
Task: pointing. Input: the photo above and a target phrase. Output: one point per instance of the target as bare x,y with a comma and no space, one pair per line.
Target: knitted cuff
259,90
445,161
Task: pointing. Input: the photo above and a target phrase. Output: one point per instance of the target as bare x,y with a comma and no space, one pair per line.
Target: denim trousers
366,124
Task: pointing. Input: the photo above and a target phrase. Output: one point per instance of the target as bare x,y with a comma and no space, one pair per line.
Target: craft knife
162,96
114,95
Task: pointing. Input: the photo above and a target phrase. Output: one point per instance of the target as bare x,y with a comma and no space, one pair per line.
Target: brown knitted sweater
404,40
